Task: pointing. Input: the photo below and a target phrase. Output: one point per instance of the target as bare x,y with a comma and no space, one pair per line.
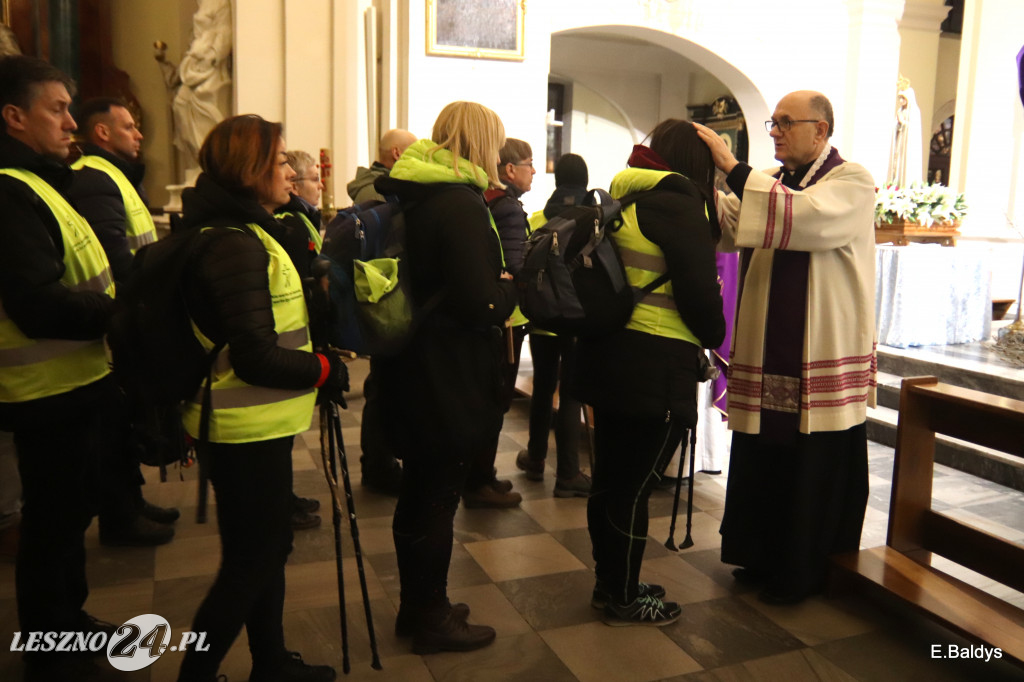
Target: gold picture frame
477,29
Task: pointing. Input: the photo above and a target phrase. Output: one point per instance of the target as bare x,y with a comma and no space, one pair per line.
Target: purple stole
728,276
784,331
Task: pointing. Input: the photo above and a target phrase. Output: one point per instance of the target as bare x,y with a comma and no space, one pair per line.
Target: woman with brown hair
244,294
445,387
646,397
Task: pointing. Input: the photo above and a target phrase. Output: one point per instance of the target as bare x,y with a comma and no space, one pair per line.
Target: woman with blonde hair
444,389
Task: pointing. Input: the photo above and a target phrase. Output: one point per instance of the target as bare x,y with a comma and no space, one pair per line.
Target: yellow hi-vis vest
38,368
656,313
140,229
314,232
243,413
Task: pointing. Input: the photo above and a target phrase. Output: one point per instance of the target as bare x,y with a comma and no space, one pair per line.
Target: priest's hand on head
720,154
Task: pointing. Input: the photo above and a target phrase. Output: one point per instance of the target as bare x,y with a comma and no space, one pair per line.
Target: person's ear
822,129
14,117
102,132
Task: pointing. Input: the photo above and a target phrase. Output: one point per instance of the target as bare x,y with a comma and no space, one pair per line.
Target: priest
802,371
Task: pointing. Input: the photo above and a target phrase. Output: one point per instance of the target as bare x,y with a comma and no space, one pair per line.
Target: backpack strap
204,433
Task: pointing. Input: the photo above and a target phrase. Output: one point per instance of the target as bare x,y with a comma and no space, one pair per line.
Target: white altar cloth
926,294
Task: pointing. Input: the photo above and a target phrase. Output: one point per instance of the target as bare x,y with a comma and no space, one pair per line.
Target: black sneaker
534,468
577,486
140,532
293,669
159,514
646,610
600,598
303,521
305,504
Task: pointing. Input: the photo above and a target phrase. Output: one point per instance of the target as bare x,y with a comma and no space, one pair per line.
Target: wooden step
958,606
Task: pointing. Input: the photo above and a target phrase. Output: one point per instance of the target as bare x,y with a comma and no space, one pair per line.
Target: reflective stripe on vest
140,229
38,368
243,413
314,233
656,313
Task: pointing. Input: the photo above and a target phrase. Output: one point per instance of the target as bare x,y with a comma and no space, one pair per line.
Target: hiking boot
91,625
292,669
140,532
488,497
305,504
600,598
406,627
451,633
159,514
534,468
577,486
646,610
304,521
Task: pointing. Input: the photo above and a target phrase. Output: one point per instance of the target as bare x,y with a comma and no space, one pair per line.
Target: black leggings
253,484
629,452
553,364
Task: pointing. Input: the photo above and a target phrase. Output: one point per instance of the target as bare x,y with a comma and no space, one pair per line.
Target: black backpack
157,359
572,281
362,243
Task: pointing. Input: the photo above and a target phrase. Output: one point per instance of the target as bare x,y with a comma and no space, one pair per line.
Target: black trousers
58,443
253,484
788,506
378,452
422,526
629,451
553,365
481,471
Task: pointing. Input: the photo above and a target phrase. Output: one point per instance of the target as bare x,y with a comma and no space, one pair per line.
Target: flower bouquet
918,213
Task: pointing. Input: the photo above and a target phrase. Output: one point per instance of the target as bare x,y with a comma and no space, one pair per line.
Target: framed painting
479,29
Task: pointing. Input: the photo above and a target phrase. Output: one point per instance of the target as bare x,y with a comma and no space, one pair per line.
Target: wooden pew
903,567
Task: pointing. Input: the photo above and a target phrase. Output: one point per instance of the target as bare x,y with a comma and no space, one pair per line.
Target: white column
258,58
308,50
919,53
872,70
349,134
987,137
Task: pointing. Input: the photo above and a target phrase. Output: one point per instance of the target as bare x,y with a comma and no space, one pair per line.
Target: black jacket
227,289
562,199
513,228
446,386
634,372
96,196
32,253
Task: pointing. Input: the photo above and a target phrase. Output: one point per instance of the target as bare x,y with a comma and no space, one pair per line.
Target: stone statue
905,154
8,42
201,82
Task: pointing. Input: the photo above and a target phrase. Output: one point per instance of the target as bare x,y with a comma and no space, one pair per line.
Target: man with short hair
802,370
56,291
107,192
108,185
392,144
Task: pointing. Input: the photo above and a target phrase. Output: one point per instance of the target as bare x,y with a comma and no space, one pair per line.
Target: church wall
136,25
947,70
600,134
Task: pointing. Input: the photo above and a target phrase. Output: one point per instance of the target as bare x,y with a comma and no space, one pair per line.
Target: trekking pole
327,457
347,484
670,543
688,540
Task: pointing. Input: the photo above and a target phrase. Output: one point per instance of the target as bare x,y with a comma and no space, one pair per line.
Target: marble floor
528,573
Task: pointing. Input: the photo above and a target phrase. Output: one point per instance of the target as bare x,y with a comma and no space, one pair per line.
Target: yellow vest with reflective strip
140,229
243,413
38,368
314,233
656,313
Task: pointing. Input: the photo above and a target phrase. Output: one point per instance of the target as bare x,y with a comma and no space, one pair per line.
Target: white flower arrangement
921,204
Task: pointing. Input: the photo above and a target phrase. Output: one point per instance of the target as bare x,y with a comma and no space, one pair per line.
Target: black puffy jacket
227,289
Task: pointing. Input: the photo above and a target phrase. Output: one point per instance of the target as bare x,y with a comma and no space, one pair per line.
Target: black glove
333,390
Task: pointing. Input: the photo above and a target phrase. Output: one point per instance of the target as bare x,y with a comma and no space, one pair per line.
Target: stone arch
749,97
